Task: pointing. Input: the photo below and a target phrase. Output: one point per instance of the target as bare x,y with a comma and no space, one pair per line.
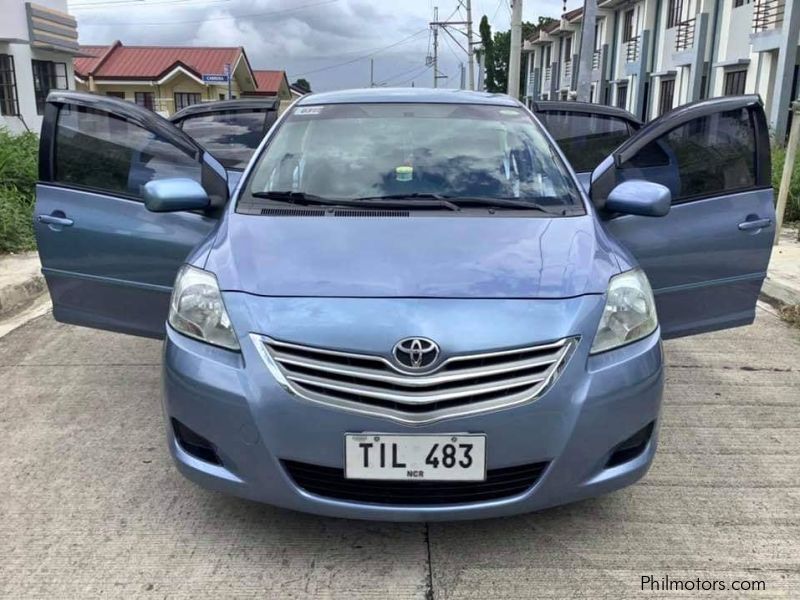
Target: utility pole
445,26
462,82
588,44
516,49
470,51
371,72
436,47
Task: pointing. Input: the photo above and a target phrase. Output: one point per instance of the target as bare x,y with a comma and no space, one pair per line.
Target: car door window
585,138
230,135
708,156
107,153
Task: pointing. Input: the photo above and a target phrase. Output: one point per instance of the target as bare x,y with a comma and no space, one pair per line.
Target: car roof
583,107
407,95
270,103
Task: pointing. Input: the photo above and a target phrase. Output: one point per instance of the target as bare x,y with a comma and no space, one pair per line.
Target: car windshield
231,135
413,153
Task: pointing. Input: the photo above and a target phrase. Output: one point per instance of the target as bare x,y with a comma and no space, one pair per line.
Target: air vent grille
291,212
371,213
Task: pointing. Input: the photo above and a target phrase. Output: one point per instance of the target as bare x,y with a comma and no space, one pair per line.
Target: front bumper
254,424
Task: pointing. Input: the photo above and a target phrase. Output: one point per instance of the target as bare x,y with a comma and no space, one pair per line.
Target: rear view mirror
172,195
638,197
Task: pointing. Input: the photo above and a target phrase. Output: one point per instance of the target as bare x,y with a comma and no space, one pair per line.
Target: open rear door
706,260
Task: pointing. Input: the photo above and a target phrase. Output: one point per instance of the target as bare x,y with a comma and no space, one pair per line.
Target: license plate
451,457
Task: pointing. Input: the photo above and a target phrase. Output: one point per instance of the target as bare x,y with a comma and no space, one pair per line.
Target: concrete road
91,505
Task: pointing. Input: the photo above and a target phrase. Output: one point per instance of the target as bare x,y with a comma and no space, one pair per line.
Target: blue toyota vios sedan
408,305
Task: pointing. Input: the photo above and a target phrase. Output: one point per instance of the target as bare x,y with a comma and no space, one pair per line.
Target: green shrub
18,174
793,202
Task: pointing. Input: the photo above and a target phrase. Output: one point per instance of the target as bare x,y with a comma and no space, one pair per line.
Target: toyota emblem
415,352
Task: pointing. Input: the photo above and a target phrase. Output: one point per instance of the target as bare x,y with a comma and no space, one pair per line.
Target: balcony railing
596,60
567,70
684,35
547,71
768,14
632,49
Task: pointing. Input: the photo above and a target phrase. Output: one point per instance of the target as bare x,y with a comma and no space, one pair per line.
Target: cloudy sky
329,42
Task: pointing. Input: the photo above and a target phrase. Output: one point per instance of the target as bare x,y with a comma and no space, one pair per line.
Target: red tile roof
269,81
91,56
572,14
153,62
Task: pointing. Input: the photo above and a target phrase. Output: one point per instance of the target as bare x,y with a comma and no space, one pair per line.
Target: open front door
706,260
109,262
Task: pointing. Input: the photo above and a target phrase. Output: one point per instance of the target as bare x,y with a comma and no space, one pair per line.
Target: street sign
220,78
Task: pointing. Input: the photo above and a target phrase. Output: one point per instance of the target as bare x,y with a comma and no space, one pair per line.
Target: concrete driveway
91,505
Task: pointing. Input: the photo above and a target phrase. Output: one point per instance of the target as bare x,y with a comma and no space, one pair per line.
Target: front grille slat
373,384
330,482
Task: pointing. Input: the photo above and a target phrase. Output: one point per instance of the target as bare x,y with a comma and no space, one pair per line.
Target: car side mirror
637,197
172,195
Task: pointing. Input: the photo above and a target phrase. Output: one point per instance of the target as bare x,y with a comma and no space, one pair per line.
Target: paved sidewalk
21,281
783,279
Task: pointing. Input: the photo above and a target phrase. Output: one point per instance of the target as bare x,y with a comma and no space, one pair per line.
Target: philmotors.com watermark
651,583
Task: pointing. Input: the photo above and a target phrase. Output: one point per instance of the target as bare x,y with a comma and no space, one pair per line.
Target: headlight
629,313
196,309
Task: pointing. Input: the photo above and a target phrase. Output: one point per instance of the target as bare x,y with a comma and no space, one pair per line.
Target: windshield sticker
308,110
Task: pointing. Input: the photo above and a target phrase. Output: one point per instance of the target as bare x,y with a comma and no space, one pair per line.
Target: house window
47,76
568,49
738,3
9,104
183,99
622,95
120,95
735,82
145,99
627,26
674,12
665,95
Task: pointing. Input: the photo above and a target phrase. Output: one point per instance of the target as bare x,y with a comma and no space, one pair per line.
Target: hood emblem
415,352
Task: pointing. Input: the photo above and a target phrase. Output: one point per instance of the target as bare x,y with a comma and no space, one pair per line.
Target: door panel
109,262
706,260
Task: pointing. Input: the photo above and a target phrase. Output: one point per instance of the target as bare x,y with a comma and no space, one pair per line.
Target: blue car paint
503,257
504,291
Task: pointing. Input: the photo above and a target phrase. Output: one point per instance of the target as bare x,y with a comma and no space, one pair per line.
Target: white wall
14,26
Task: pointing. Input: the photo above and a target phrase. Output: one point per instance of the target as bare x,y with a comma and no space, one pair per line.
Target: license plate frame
411,450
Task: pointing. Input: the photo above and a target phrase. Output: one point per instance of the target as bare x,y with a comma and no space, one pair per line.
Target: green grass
793,202
18,173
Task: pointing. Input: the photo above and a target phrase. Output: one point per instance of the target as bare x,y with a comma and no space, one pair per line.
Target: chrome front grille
459,385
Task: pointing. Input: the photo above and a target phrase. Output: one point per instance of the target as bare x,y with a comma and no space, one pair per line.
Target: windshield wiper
394,201
491,202
456,202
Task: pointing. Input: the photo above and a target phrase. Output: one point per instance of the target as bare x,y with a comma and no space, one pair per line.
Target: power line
358,58
228,18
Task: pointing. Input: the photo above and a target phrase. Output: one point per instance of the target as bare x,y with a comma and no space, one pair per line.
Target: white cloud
301,35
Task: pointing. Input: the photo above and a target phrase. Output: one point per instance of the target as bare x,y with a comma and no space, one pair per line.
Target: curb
774,292
20,295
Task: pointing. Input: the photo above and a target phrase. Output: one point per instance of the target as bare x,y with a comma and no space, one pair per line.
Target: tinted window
231,136
348,151
103,152
714,155
585,139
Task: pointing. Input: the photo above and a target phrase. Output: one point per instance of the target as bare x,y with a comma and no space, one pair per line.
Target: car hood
412,257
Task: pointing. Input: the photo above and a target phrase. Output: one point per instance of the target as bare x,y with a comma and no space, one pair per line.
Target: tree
496,50
488,54
302,84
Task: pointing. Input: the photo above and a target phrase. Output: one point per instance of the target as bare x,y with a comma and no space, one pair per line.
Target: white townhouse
37,44
653,55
